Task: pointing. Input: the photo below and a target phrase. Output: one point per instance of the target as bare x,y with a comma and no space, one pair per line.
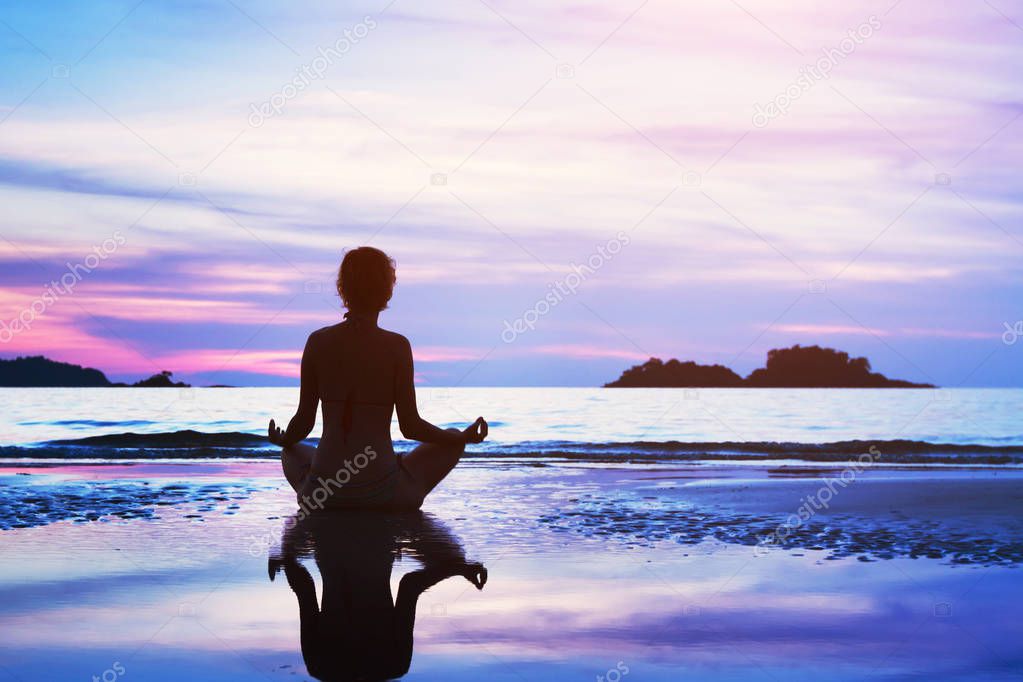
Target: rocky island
795,367
37,371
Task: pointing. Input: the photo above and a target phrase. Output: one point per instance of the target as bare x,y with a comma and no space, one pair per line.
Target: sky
567,188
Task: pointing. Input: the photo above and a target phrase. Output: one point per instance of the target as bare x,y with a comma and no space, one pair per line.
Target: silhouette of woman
361,373
357,632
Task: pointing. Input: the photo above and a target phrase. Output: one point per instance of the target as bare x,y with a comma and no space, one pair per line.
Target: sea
904,427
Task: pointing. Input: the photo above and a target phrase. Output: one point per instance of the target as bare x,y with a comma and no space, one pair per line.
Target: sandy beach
594,570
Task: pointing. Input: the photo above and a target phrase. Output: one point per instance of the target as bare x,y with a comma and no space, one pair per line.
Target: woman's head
366,279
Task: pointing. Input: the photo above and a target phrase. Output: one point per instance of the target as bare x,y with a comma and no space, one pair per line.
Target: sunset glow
783,172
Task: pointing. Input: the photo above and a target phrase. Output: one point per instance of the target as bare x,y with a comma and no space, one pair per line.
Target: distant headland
795,367
38,371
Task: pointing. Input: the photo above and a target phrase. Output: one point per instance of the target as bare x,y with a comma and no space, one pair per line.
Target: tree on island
795,367
816,367
161,380
37,371
657,373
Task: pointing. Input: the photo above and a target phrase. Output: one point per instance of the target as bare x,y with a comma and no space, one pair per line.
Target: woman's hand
475,573
477,431
275,434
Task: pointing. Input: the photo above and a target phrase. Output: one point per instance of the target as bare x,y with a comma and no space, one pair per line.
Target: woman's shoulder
395,339
323,332
390,339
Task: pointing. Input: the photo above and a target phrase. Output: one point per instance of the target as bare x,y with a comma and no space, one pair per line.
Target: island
161,380
655,373
795,367
38,371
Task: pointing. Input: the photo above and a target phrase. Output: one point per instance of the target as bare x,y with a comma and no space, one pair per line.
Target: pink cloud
137,303
853,330
283,363
830,329
949,333
586,352
446,353
60,338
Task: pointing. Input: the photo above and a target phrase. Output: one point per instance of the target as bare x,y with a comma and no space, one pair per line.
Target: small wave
186,444
175,439
190,444
848,447
87,423
888,452
880,451
461,425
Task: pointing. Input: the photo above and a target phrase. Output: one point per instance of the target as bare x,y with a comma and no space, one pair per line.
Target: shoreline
29,464
964,514
590,564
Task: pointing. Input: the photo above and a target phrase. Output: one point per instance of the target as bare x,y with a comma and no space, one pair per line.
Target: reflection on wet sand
357,631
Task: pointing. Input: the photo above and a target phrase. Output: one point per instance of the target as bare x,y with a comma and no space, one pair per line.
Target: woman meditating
360,373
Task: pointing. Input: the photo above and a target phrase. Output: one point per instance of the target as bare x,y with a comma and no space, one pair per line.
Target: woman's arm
411,587
308,400
413,426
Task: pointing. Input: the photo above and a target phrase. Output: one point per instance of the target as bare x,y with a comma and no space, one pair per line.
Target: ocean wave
880,452
846,447
185,444
174,439
87,423
190,444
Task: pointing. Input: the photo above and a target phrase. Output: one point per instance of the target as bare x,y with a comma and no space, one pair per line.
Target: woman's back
356,358
355,365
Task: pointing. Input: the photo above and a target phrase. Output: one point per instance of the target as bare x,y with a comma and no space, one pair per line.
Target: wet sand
663,571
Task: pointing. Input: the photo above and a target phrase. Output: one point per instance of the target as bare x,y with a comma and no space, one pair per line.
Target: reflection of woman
362,374
357,631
